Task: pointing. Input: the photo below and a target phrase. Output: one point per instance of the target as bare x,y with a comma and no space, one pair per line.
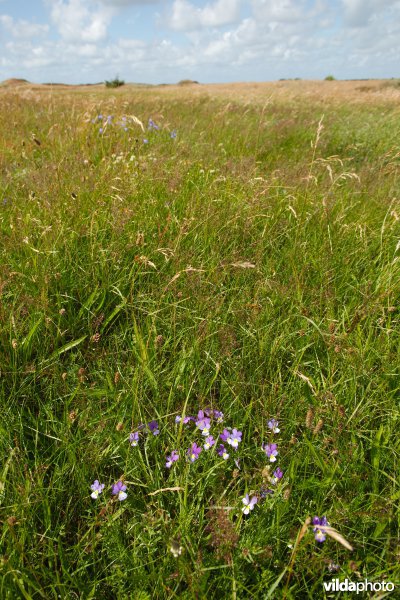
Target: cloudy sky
164,41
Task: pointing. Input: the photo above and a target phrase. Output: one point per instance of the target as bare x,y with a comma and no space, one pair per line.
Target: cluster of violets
152,126
104,121
230,438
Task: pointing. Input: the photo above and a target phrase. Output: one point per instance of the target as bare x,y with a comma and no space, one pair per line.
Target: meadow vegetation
166,251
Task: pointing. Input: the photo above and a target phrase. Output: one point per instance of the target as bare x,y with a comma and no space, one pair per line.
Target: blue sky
164,41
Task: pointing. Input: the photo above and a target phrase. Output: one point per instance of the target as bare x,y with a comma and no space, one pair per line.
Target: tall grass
250,264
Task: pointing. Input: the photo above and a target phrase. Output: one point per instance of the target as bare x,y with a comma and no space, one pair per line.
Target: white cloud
357,13
119,3
277,38
77,20
280,11
187,17
22,29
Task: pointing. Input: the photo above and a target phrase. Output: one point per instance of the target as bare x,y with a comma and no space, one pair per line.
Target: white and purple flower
96,488
249,504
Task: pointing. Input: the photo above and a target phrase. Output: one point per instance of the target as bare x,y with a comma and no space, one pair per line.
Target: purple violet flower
173,134
119,490
134,438
194,452
248,504
222,452
225,435
219,416
318,530
276,476
208,442
271,450
273,425
173,457
96,488
152,125
235,438
153,426
203,423
264,492
185,420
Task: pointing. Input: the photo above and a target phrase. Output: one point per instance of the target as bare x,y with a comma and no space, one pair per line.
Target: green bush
114,83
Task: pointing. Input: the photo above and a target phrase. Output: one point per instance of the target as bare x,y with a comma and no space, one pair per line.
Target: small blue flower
152,125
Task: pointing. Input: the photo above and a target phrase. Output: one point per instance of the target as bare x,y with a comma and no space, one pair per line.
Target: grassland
250,265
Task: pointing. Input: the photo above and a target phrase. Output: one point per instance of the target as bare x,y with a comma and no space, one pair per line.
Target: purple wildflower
276,476
145,141
273,425
109,119
173,457
235,438
264,492
208,442
134,438
185,420
203,423
194,452
318,530
153,426
152,125
173,134
225,435
249,504
101,130
271,451
119,490
96,488
222,452
219,416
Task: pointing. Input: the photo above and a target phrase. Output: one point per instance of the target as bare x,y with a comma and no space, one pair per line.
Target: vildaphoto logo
335,585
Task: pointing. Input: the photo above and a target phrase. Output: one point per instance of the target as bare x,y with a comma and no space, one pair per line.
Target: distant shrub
114,83
187,82
330,78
